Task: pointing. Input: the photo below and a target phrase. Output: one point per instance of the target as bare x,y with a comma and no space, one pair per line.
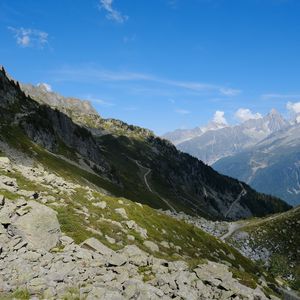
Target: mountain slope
126,160
274,240
271,166
181,135
213,144
63,235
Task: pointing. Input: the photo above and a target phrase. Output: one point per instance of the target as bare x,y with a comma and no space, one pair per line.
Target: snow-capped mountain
218,140
271,166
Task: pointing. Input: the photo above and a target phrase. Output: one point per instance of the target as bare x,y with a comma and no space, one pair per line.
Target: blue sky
160,64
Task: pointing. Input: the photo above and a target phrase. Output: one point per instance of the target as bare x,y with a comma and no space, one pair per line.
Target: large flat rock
39,227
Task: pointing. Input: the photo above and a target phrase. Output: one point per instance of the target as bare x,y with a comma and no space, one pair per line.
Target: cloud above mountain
245,114
219,117
45,86
293,107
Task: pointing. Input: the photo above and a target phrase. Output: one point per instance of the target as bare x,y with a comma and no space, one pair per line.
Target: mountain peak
274,112
214,125
43,93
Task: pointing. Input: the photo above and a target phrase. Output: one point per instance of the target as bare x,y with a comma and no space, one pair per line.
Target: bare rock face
39,226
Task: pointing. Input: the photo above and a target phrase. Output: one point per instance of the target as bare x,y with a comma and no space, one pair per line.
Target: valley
111,210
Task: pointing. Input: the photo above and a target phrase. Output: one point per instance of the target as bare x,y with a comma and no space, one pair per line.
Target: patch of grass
244,278
9,195
147,273
20,294
73,294
72,224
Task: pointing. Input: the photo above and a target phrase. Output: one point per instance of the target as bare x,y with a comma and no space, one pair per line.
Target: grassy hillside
81,217
279,235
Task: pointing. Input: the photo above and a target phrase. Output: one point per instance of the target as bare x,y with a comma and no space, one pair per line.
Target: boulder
122,212
95,245
116,259
151,246
101,204
39,227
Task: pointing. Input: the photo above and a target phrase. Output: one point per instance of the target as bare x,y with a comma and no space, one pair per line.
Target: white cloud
98,101
219,117
28,37
278,96
245,114
92,74
293,107
182,111
45,86
111,13
230,92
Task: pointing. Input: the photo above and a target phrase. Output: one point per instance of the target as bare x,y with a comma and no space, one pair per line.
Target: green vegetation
21,294
279,234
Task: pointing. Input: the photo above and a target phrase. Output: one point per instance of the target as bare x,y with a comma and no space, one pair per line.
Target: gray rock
66,240
116,259
39,226
151,246
2,229
21,202
103,293
110,239
122,212
5,220
20,245
95,245
101,204
135,255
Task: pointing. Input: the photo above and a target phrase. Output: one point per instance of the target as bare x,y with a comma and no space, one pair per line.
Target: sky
160,64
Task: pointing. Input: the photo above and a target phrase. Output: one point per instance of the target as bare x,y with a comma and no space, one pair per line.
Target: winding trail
235,226
242,193
147,172
232,228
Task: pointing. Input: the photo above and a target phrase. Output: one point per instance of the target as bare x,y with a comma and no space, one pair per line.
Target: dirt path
147,172
145,175
232,228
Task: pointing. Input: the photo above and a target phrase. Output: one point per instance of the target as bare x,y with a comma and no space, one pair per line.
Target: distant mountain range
271,166
218,140
263,152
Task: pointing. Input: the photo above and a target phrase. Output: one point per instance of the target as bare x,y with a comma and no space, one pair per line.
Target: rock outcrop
37,224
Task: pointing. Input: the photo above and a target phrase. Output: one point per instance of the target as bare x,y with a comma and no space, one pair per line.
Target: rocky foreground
36,257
